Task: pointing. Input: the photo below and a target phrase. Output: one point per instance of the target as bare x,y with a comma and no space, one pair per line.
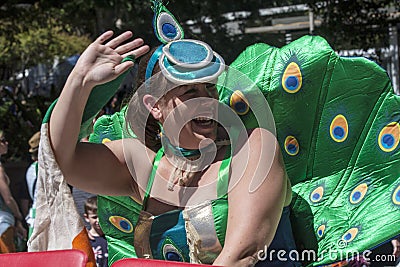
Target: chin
203,136
193,135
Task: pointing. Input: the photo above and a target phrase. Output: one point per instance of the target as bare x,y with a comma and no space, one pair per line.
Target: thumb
124,66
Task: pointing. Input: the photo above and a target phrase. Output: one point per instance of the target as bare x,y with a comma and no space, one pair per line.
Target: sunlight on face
192,109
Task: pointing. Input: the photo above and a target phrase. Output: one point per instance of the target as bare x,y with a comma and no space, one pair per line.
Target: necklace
188,162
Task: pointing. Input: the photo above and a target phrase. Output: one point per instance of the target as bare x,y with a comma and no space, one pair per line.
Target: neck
180,151
93,232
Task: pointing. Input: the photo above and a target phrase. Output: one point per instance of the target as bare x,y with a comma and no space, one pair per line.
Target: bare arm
96,168
255,202
10,202
396,247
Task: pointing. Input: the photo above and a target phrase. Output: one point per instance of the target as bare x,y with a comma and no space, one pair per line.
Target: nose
206,105
203,92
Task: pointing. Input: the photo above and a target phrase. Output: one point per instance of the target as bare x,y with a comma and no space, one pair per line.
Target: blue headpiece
181,60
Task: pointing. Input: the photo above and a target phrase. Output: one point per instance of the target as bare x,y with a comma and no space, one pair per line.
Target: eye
292,78
211,89
321,230
210,86
190,91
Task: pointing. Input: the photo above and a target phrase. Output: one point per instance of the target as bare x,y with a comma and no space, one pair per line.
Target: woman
252,217
10,214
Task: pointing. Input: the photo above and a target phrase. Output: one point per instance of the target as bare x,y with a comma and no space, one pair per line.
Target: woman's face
3,145
191,109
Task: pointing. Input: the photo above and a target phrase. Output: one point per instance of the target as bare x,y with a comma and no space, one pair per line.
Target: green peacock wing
337,122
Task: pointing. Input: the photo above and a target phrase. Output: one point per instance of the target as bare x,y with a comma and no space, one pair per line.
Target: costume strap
157,159
223,175
224,170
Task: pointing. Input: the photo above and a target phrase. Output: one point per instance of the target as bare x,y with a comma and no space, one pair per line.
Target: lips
203,121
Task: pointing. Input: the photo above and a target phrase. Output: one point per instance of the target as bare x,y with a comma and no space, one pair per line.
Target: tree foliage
30,35
357,24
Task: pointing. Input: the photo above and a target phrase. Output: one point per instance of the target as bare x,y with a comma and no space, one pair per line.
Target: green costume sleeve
337,122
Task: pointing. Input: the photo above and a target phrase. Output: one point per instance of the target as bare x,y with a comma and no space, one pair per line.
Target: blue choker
176,150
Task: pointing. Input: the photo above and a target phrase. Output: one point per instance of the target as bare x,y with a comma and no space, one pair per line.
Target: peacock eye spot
172,256
388,138
169,30
292,78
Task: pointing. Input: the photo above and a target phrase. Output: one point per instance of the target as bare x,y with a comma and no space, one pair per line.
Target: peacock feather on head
166,27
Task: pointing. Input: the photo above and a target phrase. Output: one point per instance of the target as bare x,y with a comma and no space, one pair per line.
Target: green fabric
157,159
346,187
224,170
223,175
32,214
219,208
118,216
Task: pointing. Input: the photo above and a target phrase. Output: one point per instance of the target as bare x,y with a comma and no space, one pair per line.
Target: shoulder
256,157
135,156
256,141
3,175
129,148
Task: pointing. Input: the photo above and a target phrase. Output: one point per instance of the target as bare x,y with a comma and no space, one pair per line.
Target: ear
151,104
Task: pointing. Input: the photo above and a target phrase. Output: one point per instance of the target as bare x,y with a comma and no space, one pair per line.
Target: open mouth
203,121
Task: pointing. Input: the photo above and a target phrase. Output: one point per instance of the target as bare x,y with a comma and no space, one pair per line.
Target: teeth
203,119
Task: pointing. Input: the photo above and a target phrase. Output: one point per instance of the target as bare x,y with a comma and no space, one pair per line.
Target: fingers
135,47
137,52
113,43
104,37
124,66
129,46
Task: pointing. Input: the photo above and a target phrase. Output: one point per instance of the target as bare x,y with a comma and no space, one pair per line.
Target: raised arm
256,200
94,168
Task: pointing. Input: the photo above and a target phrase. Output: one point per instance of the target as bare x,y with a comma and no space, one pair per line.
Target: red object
53,258
131,262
